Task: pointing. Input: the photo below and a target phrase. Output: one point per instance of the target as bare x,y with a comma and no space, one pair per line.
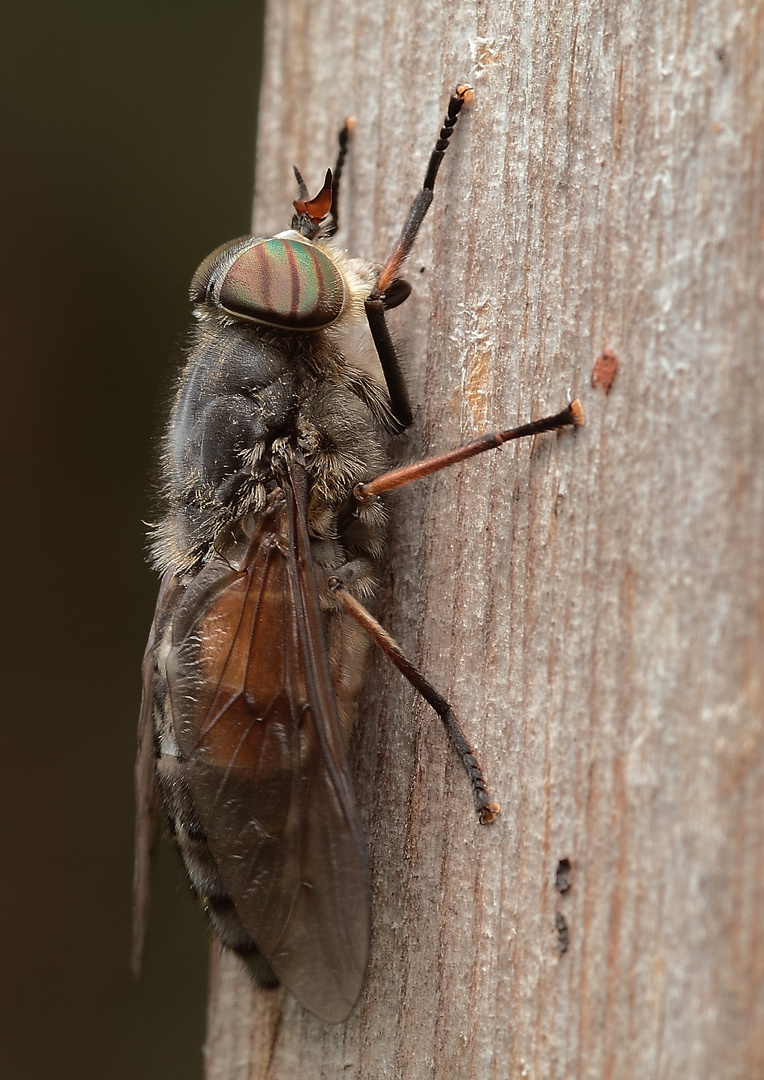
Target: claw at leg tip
577,413
489,813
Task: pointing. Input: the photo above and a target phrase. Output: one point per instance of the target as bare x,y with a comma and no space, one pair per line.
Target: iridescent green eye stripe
284,283
315,284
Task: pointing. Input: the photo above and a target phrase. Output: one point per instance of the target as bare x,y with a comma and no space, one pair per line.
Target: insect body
273,462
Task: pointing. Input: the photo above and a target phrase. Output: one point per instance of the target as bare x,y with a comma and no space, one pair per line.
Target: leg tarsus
342,148
421,204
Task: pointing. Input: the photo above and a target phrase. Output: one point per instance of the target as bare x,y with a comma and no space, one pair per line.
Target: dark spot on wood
605,370
563,934
563,877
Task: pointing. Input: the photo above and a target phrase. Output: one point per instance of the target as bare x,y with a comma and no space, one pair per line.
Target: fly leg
573,416
420,206
486,809
342,148
392,290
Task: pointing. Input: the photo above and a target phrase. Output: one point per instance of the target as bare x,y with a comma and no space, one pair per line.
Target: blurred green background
128,154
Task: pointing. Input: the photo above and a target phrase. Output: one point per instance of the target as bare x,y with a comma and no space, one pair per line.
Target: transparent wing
255,717
146,795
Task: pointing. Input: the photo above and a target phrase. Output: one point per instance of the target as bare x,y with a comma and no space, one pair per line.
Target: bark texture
592,602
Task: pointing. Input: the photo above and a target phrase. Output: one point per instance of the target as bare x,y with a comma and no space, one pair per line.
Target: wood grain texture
591,603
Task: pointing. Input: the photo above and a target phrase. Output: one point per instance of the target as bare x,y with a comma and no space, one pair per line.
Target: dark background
127,155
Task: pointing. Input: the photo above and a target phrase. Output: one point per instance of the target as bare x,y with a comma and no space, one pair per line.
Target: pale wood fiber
592,603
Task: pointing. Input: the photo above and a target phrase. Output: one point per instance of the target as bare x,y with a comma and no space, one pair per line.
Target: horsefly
274,463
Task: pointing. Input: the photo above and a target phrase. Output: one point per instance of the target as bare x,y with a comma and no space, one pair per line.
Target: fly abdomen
202,870
230,929
187,829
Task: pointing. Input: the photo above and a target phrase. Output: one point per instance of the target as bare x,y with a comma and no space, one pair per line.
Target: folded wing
255,718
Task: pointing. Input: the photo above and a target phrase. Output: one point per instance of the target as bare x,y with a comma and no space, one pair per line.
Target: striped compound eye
290,284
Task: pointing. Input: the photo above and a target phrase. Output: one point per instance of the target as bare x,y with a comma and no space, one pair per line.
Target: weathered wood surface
592,603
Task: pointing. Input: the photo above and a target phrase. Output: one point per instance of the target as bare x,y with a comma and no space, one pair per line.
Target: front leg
391,366
392,290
